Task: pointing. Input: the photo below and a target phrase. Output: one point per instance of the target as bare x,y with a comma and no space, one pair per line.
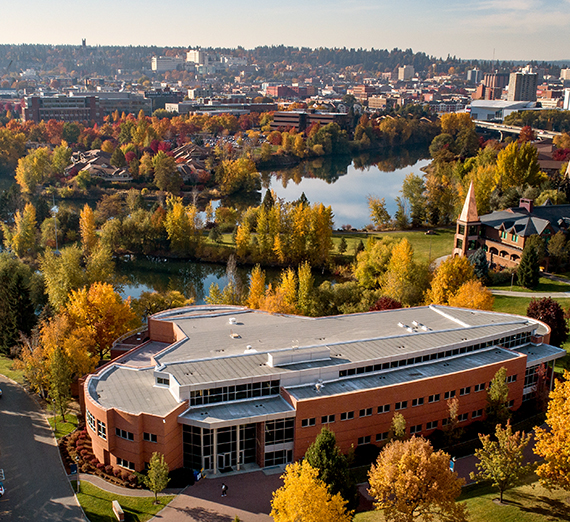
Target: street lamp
78,480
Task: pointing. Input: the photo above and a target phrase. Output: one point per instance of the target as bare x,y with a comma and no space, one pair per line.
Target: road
37,488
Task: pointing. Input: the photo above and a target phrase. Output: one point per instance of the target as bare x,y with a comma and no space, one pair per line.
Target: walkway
120,490
538,295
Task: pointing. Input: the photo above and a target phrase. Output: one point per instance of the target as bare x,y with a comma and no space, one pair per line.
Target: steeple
469,212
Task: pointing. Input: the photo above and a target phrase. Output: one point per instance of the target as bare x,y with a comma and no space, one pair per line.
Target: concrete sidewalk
119,490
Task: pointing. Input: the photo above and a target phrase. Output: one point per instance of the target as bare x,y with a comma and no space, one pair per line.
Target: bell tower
468,227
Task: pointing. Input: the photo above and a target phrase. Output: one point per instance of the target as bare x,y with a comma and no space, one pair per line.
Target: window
463,417
381,436
164,381
445,422
364,440
366,412
415,429
279,431
124,434
433,398
511,378
150,437
514,237
305,423
479,387
477,414
384,409
347,415
401,405
327,419
465,391
91,421
449,395
461,230
234,393
511,403
418,402
431,425
125,464
102,430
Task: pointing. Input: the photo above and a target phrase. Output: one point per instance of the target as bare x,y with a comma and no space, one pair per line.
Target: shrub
94,461
84,453
100,466
109,469
85,467
117,472
124,475
133,479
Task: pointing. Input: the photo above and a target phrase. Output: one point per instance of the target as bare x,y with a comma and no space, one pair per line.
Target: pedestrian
224,490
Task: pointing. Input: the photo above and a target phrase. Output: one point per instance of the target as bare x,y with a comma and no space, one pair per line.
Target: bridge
512,129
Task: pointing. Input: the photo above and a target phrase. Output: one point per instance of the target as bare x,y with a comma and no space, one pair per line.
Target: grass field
544,285
63,428
529,502
97,505
7,370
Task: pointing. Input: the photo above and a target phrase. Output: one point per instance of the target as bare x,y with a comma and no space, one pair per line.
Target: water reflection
344,182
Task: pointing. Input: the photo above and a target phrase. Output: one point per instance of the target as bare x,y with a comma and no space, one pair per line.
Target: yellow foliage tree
243,238
288,286
553,444
21,239
34,169
448,278
453,123
305,498
87,228
256,288
102,316
411,481
473,294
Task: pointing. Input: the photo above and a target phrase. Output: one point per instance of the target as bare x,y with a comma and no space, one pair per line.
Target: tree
480,264
342,245
60,158
305,498
33,170
553,444
60,381
166,175
473,294
103,314
385,303
398,427
517,165
498,398
32,361
409,481
305,292
448,279
550,312
452,430
558,251
378,213
149,303
501,461
401,216
156,478
413,189
87,228
21,239
256,288
528,272
118,158
332,466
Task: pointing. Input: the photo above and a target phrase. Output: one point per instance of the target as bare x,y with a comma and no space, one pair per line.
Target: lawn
529,502
97,505
518,305
7,370
544,285
63,428
426,247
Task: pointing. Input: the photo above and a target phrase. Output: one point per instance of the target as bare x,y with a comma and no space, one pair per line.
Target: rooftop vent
232,320
319,385
249,349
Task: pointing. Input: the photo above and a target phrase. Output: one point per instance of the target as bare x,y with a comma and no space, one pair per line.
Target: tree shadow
548,507
201,514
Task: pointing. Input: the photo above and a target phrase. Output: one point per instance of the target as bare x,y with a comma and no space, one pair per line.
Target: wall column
215,446
237,446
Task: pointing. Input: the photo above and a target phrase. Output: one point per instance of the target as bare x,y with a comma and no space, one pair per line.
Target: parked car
0,393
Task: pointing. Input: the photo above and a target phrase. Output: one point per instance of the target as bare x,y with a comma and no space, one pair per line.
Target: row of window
234,393
96,426
508,342
127,435
401,405
125,464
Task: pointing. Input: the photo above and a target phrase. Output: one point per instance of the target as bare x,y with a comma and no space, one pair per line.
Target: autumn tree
256,288
452,430
448,278
501,461
33,170
372,262
398,427
498,398
517,165
473,294
305,498
413,190
325,456
103,314
156,478
410,481
149,303
21,238
553,443
60,158
378,213
87,229
166,175
305,291
32,362
60,381
550,312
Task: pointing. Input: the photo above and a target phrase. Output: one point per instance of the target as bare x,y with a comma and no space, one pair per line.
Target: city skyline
504,30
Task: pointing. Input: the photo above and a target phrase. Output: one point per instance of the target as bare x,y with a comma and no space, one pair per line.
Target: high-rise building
474,76
522,87
406,73
565,74
161,64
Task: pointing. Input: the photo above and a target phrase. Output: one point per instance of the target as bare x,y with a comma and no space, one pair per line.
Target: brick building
220,387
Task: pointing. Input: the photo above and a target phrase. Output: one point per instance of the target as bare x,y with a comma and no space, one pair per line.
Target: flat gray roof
248,411
540,353
131,390
403,375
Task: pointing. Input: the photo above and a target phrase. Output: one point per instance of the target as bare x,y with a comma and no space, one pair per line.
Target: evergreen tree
325,456
342,245
480,264
118,158
528,270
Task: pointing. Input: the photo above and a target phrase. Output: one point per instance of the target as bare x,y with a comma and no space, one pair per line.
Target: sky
483,29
